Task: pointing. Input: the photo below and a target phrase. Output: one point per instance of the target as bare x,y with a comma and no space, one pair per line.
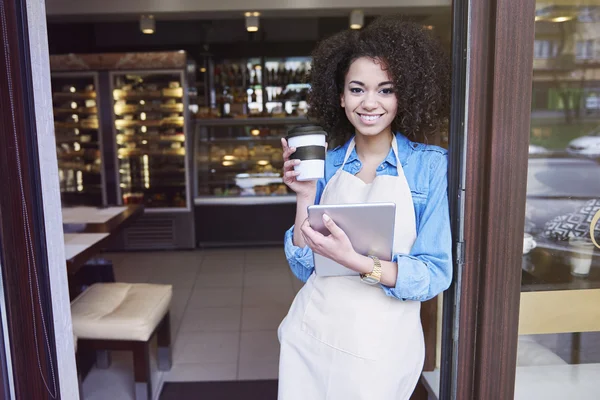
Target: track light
252,21
147,24
357,19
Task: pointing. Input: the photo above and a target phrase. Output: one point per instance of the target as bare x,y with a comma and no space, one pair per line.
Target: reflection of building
566,66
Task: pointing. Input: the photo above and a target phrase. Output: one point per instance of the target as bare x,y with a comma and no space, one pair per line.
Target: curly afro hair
415,61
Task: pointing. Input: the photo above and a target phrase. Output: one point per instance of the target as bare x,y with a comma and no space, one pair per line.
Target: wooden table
548,269
100,220
88,231
80,247
554,301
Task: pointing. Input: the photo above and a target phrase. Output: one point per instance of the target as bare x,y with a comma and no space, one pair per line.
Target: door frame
490,141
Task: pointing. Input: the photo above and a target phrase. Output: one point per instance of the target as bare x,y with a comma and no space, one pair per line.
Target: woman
343,338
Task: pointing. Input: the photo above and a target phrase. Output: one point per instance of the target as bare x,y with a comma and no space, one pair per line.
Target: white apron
343,339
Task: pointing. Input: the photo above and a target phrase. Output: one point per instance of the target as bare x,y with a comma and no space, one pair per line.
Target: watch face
369,280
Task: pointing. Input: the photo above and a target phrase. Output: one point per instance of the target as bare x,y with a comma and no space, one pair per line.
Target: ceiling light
147,24
429,27
561,19
252,21
203,70
357,19
255,132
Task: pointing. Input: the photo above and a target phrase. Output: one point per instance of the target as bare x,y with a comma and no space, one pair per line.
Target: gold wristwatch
374,277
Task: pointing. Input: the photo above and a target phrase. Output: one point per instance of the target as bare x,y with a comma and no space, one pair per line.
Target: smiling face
368,98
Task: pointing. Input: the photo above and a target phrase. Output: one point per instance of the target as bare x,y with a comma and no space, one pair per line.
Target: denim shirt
427,270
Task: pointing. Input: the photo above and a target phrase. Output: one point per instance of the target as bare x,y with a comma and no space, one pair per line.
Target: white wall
104,7
44,120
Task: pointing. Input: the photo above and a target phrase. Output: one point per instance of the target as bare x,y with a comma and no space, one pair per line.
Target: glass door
78,139
559,322
150,124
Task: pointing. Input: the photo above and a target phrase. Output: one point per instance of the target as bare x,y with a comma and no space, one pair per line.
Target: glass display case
150,130
238,181
241,158
78,139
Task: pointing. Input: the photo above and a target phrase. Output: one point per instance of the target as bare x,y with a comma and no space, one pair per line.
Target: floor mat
223,390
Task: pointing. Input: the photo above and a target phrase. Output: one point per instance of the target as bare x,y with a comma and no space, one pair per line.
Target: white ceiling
121,10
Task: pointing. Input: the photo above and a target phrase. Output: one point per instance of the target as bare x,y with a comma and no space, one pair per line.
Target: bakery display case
150,132
132,145
238,181
241,158
78,138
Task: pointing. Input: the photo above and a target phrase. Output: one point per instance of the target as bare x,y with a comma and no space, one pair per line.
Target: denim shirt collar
405,150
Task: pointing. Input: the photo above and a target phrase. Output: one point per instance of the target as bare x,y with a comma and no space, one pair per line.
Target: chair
125,317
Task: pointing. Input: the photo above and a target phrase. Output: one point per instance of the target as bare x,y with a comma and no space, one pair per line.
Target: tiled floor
226,307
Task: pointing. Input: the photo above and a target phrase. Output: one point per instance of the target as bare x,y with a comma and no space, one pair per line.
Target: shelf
164,108
162,171
237,163
121,138
245,200
171,122
176,93
75,139
252,121
76,125
153,187
252,139
80,110
79,167
71,154
75,96
151,153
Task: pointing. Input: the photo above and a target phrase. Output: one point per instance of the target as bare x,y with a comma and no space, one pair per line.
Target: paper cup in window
309,141
582,250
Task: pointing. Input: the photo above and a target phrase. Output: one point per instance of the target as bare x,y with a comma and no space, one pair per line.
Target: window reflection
560,318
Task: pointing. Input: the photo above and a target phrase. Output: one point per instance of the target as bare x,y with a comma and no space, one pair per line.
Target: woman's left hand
336,246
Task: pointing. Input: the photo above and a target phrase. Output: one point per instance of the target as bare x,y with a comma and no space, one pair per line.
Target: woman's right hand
303,189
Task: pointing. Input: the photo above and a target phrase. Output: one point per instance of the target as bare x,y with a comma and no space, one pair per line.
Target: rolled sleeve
301,259
427,270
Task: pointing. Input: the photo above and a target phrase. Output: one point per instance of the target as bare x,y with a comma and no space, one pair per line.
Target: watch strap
374,276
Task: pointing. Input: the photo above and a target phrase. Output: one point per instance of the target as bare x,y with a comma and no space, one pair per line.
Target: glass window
560,319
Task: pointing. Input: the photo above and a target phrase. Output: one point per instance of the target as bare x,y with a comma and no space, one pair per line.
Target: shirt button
381,167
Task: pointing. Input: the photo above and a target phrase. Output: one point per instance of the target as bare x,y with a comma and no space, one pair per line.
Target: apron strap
348,152
352,145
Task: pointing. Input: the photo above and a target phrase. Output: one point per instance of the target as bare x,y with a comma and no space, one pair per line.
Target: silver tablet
370,228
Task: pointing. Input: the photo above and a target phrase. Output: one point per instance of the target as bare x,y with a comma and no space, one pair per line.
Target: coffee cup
582,250
310,142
